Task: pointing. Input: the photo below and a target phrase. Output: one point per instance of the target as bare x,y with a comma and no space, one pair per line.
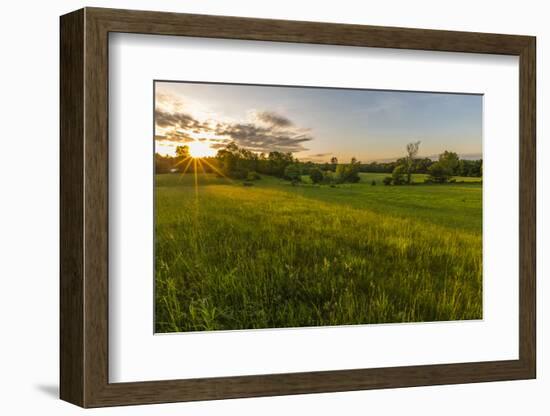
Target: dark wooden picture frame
84,207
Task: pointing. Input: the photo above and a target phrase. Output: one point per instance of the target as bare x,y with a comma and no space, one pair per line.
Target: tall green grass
276,255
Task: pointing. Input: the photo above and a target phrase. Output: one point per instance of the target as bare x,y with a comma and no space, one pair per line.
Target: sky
315,123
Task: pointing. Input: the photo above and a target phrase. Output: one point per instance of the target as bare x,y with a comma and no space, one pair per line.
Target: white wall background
29,207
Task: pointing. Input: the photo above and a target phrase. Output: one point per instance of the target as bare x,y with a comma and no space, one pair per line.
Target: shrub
373,183
354,177
246,183
348,172
316,175
293,172
387,180
398,174
237,174
252,176
328,177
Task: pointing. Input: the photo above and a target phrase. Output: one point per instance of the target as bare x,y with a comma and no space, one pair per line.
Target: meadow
274,255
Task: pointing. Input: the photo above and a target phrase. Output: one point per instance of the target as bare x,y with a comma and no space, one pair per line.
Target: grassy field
276,255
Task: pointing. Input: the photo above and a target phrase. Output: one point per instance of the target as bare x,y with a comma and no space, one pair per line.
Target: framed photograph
260,207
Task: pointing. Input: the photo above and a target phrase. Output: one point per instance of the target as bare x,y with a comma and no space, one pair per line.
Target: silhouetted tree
412,151
182,151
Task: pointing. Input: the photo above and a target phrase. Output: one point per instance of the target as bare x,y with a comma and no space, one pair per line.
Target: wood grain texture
96,208
162,23
84,204
71,213
527,207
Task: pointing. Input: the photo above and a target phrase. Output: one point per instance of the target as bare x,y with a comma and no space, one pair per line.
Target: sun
200,149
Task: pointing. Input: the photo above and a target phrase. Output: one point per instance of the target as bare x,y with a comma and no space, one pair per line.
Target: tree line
182,162
469,168
239,163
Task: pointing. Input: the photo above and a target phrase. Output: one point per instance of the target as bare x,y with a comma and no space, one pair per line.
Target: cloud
175,136
264,139
220,145
168,102
177,120
273,119
318,157
273,132
164,98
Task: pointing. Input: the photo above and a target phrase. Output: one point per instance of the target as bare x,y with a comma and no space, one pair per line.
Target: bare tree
412,151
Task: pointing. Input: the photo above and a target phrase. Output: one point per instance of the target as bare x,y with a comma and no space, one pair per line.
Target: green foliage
348,172
412,151
253,176
447,166
387,180
277,163
472,168
467,168
235,162
329,177
316,175
182,162
421,165
439,173
276,256
398,175
449,161
163,164
293,172
373,182
182,151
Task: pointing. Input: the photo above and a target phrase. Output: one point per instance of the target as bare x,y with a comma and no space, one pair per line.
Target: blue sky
316,123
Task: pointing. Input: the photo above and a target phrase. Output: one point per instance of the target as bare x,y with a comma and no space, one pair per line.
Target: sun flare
200,149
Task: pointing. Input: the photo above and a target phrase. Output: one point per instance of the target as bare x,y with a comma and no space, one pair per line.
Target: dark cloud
177,120
175,136
274,119
320,155
276,133
264,139
220,145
